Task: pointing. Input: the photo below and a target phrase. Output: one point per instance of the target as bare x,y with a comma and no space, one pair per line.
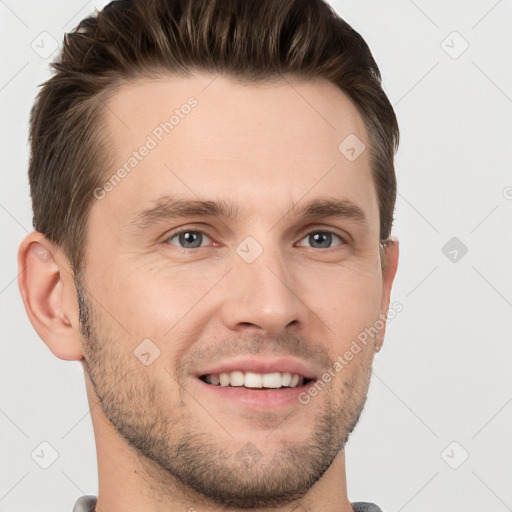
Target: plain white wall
442,385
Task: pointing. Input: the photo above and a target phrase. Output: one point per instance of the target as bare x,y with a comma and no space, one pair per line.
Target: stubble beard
181,450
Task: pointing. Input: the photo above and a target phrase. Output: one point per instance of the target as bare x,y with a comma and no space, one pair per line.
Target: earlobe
45,281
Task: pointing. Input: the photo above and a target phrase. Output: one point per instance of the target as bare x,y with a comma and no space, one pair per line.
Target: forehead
211,137
277,111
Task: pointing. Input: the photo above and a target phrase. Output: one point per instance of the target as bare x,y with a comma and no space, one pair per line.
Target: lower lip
258,398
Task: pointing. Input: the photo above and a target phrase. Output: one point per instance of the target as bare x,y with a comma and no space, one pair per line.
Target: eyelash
188,230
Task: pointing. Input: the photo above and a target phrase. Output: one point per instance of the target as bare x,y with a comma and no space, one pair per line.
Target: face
241,239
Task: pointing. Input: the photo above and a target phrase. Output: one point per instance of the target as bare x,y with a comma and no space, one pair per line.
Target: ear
389,255
390,251
45,280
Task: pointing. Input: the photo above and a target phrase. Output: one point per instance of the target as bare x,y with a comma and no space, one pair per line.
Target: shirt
87,504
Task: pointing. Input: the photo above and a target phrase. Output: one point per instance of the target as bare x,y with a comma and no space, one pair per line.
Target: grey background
443,375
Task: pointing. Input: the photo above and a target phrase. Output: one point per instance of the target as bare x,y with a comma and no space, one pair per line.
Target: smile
274,380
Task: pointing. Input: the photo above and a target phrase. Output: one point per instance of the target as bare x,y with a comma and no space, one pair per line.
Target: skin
161,443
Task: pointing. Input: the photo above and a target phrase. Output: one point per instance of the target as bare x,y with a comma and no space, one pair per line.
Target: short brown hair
248,40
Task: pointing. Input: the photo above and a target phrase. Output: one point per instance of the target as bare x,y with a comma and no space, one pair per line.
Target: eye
188,238
322,239
194,239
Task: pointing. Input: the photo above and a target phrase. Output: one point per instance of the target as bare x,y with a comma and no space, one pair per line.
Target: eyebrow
169,208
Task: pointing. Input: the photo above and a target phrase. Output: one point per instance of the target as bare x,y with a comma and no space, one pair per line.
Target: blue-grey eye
188,239
321,239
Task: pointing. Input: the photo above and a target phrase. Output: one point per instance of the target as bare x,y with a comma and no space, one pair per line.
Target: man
213,192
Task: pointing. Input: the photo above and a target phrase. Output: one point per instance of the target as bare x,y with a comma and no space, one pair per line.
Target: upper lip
258,365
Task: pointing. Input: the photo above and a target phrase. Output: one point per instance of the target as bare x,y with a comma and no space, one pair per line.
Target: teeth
237,379
272,380
224,379
255,380
286,378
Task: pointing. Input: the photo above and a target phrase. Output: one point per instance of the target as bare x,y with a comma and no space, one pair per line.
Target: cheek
347,302
169,303
159,304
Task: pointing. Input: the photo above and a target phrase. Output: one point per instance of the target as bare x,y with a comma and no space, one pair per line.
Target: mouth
258,384
256,381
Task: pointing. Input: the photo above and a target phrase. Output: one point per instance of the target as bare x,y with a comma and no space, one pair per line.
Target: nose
263,297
